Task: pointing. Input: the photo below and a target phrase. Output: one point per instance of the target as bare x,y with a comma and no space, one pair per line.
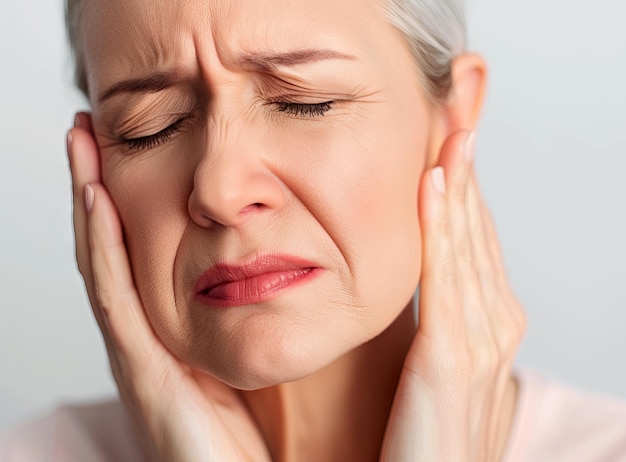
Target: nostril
251,208
206,219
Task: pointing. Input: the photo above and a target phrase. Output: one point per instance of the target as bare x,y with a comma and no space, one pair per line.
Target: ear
464,104
461,110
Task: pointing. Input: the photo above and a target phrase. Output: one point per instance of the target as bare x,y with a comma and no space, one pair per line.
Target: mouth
259,280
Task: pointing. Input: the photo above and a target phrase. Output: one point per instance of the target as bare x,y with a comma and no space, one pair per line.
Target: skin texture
352,191
243,179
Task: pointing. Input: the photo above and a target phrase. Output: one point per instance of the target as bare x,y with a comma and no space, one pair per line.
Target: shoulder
98,432
555,422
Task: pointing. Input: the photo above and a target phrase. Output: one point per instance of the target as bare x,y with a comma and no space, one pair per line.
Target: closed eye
294,109
303,110
152,141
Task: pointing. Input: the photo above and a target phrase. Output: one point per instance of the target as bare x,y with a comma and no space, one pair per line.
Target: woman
286,174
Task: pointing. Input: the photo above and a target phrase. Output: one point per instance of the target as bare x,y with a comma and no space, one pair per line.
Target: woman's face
281,141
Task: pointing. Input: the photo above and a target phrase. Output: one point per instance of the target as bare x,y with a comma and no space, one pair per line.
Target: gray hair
73,13
434,29
436,32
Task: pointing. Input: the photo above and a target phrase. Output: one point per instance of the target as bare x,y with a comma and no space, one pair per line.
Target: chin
254,376
249,379
251,366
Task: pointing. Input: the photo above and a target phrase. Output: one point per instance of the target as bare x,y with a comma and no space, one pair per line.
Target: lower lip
256,289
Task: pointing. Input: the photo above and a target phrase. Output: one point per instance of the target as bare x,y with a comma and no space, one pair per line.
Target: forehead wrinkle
124,39
256,34
198,32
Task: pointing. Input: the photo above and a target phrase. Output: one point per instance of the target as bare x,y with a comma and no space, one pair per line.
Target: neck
340,412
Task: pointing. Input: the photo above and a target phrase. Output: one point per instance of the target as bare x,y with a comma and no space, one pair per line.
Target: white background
551,157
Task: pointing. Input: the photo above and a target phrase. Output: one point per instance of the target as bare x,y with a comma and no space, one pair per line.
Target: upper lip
225,272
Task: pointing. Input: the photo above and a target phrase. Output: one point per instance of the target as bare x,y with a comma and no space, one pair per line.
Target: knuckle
455,365
463,249
104,298
485,359
507,342
521,320
457,194
441,224
509,336
518,320
442,252
81,269
474,222
448,279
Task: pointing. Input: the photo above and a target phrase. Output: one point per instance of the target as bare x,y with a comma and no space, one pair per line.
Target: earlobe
469,78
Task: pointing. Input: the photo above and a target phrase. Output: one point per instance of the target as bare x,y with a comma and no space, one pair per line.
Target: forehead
126,37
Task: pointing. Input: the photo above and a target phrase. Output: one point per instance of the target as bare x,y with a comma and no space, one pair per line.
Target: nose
231,184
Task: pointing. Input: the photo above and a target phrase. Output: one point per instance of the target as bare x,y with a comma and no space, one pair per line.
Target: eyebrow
152,83
262,61
270,61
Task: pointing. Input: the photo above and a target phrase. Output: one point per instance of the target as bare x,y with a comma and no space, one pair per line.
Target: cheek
360,180
382,231
354,187
150,195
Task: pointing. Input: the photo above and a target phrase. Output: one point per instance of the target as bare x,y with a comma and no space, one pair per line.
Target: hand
456,393
181,414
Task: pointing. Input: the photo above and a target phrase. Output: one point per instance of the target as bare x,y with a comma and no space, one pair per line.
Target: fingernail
470,142
69,138
89,197
78,121
439,181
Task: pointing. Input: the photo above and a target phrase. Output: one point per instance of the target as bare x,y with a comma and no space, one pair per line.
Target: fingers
439,289
461,257
85,169
466,304
468,242
159,391
102,258
117,298
84,163
448,261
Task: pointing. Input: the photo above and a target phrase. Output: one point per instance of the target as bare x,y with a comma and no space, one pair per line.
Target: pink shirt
552,423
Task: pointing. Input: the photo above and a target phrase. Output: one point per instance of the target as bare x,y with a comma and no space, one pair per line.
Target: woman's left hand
456,394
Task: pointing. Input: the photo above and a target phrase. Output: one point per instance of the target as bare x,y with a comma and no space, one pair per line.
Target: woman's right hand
180,414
